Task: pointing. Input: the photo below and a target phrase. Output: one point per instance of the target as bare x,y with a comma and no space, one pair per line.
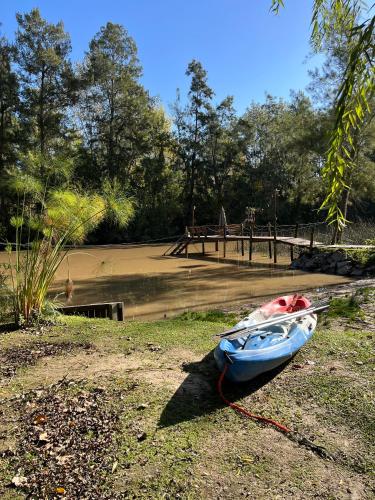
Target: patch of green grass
366,294
195,334
347,307
346,402
211,316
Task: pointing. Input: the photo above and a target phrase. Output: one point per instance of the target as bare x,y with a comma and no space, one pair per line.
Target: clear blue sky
246,50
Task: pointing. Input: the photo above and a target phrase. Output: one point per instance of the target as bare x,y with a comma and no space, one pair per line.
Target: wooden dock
238,233
299,236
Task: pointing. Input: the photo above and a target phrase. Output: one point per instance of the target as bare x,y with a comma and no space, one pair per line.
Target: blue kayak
263,350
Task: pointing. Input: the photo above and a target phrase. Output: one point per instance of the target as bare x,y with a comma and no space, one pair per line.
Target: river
153,286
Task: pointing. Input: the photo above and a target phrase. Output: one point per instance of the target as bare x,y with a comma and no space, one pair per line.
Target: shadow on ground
198,395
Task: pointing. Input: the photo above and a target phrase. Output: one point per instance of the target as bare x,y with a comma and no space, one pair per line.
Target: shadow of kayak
198,395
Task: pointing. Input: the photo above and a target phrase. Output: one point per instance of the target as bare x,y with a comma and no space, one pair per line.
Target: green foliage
9,99
363,256
119,208
352,107
347,307
72,215
65,217
94,128
46,78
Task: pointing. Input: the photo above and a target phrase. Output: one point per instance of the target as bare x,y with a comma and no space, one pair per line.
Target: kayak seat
278,329
272,333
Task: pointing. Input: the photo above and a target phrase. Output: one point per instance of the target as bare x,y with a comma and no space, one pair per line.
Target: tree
156,184
337,46
8,122
221,152
191,126
47,86
114,105
352,108
8,103
282,147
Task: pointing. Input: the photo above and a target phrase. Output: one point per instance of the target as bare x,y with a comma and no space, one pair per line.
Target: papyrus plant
65,217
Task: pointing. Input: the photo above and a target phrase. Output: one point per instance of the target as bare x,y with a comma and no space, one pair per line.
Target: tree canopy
93,127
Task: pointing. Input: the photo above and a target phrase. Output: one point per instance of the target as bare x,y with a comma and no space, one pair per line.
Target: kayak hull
261,351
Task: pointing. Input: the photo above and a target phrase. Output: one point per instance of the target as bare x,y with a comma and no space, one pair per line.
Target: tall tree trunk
193,166
110,158
2,136
344,212
41,121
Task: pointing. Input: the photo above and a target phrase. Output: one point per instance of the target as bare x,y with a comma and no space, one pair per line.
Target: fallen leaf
43,437
19,481
40,419
60,491
297,367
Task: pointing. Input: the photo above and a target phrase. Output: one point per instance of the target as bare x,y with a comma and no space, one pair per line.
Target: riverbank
99,409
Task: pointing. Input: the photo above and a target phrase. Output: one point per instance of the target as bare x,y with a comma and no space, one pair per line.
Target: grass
347,307
175,438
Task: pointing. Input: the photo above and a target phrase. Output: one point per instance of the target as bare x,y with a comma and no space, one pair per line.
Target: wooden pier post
216,246
274,245
203,252
251,244
312,238
269,241
242,242
187,244
292,246
225,240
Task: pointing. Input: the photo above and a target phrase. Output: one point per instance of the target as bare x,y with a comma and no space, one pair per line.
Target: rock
142,406
357,271
343,268
337,256
141,436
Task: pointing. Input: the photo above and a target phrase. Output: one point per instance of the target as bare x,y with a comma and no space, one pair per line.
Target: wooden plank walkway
268,234
288,240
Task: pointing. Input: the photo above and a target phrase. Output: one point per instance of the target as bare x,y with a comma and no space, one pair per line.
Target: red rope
243,410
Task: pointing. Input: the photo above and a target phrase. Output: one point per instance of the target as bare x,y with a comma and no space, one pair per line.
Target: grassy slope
177,438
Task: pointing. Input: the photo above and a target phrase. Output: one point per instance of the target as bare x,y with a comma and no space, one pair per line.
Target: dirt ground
100,409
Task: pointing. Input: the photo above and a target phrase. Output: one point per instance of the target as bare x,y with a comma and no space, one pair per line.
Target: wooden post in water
292,246
242,242
216,246
274,245
312,238
269,241
203,248
225,240
251,244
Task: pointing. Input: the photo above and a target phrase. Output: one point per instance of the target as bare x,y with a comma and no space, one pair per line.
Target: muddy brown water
153,286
